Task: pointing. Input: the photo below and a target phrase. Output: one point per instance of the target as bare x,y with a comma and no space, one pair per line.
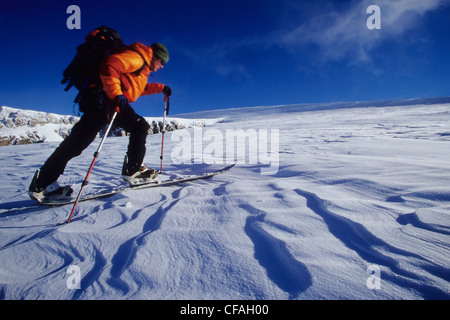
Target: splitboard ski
61,202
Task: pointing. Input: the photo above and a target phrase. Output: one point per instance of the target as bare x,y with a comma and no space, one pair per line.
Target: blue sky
236,53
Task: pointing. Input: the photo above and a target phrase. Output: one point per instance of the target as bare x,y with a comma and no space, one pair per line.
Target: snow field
356,187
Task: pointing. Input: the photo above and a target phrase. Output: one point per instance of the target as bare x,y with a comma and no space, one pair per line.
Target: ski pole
166,111
85,181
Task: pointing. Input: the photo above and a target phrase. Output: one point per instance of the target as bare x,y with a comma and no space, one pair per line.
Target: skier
124,77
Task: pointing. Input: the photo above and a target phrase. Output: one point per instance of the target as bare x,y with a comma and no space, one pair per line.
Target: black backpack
83,72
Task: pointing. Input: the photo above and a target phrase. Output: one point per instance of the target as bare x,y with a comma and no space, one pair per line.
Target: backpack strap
138,71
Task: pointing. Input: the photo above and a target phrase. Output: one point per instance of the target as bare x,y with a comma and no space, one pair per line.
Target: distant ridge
303,107
18,126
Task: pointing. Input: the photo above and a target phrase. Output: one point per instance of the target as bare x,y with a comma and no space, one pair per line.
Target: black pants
84,132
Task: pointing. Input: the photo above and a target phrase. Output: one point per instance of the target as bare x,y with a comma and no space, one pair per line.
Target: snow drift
358,209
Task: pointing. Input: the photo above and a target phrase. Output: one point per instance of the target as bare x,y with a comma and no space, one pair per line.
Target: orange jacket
118,77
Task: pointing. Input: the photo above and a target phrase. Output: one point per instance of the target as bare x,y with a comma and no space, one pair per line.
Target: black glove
120,101
167,91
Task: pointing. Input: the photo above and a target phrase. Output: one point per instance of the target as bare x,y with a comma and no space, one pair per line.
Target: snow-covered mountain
19,126
356,205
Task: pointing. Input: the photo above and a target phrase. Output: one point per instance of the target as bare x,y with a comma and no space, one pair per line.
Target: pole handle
166,111
166,105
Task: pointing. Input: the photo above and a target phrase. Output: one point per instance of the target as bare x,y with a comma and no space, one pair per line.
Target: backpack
84,70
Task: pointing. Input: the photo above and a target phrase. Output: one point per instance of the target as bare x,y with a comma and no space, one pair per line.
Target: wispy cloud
327,30
343,33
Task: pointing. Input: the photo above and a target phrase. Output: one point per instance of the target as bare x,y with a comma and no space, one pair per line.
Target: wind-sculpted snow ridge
369,247
282,268
358,208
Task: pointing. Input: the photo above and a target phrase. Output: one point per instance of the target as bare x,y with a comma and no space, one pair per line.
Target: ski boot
54,190
142,176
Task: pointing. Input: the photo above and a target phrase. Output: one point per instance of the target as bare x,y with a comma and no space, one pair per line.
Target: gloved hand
121,101
167,91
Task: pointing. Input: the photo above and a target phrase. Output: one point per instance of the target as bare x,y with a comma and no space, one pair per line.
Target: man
124,78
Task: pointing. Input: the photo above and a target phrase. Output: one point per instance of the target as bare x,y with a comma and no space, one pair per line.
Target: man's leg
81,136
138,128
